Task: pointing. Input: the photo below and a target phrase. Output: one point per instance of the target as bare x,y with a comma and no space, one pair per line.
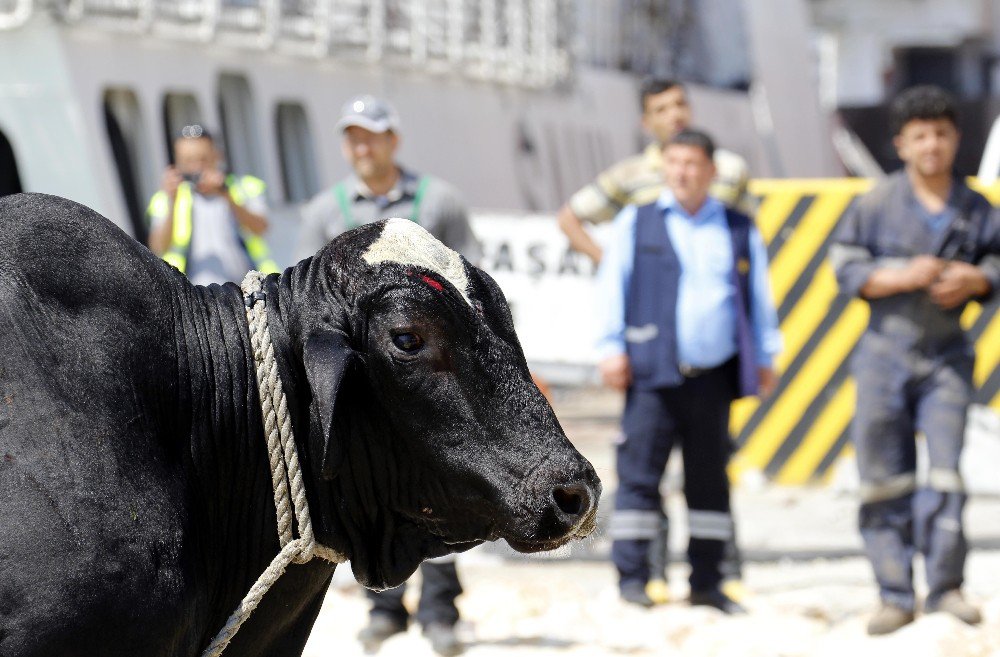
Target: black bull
135,493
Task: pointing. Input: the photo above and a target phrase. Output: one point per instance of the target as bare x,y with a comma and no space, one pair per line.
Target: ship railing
349,29
520,42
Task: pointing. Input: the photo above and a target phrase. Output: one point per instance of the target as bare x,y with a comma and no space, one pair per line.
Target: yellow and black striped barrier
798,434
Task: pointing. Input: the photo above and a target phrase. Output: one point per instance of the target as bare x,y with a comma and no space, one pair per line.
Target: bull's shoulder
58,249
79,298
48,217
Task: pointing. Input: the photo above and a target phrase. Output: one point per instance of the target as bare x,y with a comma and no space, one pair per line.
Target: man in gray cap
380,188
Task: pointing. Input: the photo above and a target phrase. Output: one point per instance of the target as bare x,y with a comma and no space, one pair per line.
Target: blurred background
519,103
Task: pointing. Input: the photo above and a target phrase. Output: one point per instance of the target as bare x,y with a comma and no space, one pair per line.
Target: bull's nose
574,501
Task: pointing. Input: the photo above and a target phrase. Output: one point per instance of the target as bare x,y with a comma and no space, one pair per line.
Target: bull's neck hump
216,355
222,407
233,501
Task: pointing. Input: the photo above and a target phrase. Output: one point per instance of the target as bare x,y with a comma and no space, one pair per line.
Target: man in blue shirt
918,248
687,325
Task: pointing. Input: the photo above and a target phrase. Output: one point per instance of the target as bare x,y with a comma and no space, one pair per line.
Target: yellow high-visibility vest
241,190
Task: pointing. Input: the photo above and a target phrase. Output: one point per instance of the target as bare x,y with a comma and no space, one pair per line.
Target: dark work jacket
884,230
651,302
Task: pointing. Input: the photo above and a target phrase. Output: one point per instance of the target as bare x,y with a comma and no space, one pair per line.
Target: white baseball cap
370,113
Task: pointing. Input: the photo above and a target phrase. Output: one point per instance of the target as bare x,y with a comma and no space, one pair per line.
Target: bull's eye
408,342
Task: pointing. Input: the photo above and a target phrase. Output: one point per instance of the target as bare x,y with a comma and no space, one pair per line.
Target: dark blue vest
651,304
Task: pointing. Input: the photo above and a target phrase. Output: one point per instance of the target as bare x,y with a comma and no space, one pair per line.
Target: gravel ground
810,590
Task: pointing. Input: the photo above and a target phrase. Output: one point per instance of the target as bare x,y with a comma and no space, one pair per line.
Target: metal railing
519,42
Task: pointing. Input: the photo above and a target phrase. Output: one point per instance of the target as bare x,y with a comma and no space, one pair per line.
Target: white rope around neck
286,475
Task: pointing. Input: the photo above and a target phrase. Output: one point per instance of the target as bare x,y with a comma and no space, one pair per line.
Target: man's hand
579,239
922,271
212,183
919,273
957,283
616,372
767,381
171,180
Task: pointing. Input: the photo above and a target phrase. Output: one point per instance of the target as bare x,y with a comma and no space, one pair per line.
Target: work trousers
694,415
902,392
437,595
659,554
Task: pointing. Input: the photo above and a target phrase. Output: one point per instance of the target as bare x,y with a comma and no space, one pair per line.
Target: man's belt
690,372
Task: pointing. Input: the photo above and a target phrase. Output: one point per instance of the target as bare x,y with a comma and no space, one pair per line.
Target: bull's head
426,434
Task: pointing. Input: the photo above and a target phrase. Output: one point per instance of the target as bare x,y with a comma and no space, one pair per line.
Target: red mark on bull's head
433,283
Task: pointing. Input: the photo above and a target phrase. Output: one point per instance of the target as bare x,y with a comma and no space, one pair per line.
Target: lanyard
340,192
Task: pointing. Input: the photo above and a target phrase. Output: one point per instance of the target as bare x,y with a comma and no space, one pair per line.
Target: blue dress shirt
706,298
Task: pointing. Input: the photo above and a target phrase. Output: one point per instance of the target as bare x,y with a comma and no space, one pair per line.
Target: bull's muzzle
565,507
574,503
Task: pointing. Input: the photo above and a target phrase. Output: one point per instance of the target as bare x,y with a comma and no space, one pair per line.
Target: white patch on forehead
407,243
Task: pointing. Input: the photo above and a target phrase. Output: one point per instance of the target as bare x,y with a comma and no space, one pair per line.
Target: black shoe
717,599
442,639
380,627
635,593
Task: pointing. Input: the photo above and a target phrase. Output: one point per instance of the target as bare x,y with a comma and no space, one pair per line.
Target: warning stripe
804,319
783,414
981,323
800,432
987,351
800,321
971,316
796,437
774,209
842,449
789,365
777,239
804,244
991,192
979,317
809,276
989,392
822,437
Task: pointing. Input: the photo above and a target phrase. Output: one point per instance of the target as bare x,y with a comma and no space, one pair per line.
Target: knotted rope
286,475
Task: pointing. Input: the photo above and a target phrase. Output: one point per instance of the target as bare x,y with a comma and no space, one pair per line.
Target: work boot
717,599
888,619
635,593
955,604
380,627
442,639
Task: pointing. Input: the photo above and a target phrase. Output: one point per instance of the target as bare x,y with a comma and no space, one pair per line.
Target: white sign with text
550,288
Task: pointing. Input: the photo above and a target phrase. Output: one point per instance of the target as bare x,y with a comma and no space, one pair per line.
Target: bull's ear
327,357
493,304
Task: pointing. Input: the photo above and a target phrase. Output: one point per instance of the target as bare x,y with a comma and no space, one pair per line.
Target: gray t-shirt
441,212
216,253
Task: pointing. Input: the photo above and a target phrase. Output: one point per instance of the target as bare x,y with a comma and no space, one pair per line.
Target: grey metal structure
491,93
90,89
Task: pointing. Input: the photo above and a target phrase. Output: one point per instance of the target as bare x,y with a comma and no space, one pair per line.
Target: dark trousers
901,393
437,596
659,553
694,415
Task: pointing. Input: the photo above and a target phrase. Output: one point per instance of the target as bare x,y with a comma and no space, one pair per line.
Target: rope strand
286,474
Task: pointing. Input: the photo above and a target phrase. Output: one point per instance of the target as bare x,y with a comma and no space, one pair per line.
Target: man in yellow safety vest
205,223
